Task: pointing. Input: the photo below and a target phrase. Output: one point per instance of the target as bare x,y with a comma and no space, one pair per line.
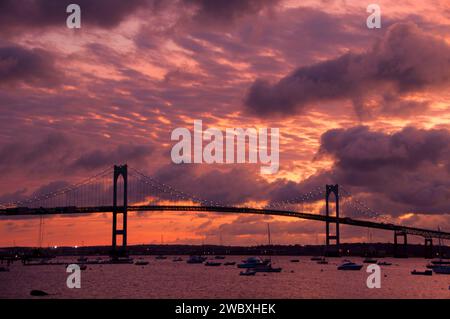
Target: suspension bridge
134,191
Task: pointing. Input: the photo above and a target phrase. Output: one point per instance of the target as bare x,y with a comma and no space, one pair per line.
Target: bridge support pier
428,247
121,170
400,253
332,189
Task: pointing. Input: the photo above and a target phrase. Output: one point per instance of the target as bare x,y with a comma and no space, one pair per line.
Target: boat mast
440,244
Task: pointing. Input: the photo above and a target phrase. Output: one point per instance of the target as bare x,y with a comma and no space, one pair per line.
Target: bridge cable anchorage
173,191
62,191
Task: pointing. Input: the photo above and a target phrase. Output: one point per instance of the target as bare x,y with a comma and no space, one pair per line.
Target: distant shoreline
351,249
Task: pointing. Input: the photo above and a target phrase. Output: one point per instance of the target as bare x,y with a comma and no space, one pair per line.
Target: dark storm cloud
358,148
392,105
228,10
407,171
404,60
121,154
27,14
33,66
60,153
24,15
24,155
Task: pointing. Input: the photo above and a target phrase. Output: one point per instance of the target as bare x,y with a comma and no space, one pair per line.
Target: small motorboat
229,263
440,262
370,261
141,263
252,262
248,272
295,260
384,263
349,266
422,273
212,263
177,259
219,257
443,270
196,260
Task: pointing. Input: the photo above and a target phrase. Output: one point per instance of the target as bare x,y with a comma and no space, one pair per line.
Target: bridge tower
428,247
119,171
332,189
397,252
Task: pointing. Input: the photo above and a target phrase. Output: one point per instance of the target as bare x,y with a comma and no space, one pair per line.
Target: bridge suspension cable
361,207
98,189
64,191
167,189
314,195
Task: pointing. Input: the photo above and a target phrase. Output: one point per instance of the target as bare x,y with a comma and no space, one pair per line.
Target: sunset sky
365,108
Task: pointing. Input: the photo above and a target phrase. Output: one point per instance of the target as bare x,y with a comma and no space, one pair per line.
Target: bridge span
329,218
426,233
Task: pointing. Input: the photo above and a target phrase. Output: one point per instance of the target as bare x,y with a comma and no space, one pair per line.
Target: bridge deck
25,211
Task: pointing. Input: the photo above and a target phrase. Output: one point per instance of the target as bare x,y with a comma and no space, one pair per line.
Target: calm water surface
168,279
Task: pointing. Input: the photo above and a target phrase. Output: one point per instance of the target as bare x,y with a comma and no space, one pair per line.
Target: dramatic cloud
407,171
57,153
227,11
28,14
76,101
33,66
404,61
46,153
121,154
361,149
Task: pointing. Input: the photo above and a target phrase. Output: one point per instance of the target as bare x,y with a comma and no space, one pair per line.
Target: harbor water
164,278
